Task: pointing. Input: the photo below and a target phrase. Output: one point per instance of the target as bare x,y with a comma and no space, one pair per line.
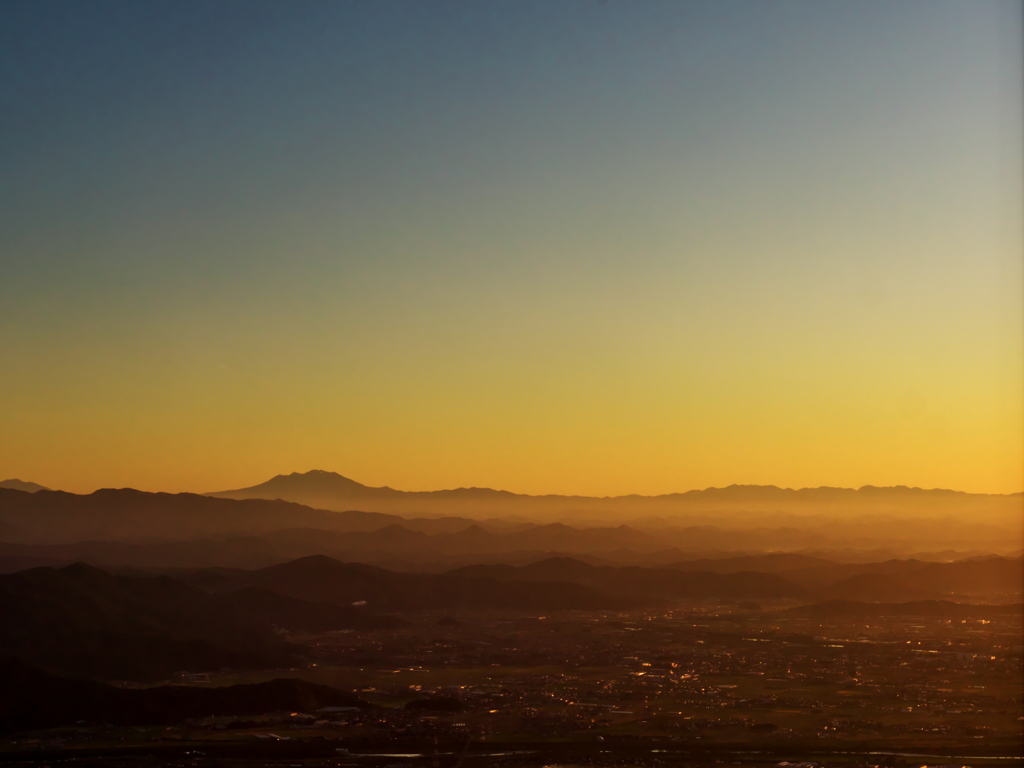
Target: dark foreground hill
36,699
82,621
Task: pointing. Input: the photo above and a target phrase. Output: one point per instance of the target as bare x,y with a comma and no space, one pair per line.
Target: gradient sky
553,247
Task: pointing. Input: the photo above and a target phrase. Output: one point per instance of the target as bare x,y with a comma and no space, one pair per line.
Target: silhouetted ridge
115,527
329,490
129,515
36,699
314,481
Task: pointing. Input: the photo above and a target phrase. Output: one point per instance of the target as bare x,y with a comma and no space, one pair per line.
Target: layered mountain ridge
329,490
125,527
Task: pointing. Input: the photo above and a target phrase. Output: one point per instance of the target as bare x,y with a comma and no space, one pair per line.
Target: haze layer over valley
293,515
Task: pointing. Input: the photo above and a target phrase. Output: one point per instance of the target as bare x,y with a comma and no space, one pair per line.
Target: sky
552,247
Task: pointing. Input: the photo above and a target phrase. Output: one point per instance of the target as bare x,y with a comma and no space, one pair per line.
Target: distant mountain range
126,527
329,490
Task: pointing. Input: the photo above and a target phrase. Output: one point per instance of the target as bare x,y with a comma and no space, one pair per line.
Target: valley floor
700,683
